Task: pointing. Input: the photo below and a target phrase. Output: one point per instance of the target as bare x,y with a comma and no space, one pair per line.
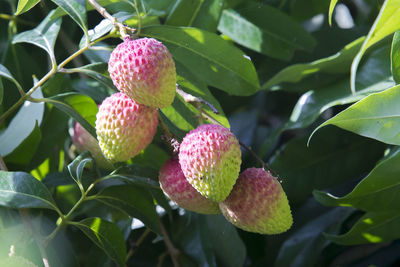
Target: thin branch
3,165
139,17
194,99
122,27
173,252
136,244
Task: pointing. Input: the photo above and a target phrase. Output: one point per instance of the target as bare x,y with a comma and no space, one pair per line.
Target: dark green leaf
21,190
80,107
373,227
376,116
105,235
135,179
209,15
305,246
336,156
387,22
184,12
43,36
200,51
337,63
76,167
133,201
98,71
6,74
379,191
22,125
265,29
395,57
76,10
25,5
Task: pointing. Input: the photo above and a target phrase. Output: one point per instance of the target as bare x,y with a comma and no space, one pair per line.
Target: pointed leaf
395,57
98,71
22,125
21,190
373,227
379,191
76,10
200,51
331,8
376,116
25,5
387,22
337,63
76,167
105,235
133,201
43,36
265,29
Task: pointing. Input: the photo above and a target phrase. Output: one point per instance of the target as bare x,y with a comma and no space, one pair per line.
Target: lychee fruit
258,203
144,70
83,141
124,127
210,158
177,188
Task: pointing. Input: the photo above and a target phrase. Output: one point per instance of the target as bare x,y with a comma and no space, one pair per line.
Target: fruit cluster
204,176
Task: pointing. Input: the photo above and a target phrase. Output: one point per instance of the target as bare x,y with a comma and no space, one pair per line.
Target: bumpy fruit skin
83,140
210,158
177,188
124,127
144,70
258,203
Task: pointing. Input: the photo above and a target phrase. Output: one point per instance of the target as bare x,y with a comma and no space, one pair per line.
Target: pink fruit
210,158
144,70
124,127
177,188
258,203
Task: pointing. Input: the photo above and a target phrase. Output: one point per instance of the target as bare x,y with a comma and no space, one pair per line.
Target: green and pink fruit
177,188
210,158
124,127
83,141
258,203
144,70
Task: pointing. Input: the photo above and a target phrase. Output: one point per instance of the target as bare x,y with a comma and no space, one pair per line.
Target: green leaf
379,191
333,157
21,190
266,30
6,74
376,116
395,57
80,107
209,15
305,246
22,125
387,22
105,235
337,63
374,76
135,179
25,5
200,51
98,71
331,8
43,36
77,166
373,227
133,201
184,12
76,10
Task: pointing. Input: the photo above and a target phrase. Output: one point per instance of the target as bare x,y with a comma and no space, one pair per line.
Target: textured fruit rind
144,70
124,127
177,188
210,158
83,140
258,203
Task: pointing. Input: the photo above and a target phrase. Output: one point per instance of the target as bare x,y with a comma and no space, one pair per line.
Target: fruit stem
122,27
188,98
136,244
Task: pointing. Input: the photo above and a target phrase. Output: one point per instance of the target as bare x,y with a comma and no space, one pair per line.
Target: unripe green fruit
258,203
124,127
210,158
144,70
177,188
